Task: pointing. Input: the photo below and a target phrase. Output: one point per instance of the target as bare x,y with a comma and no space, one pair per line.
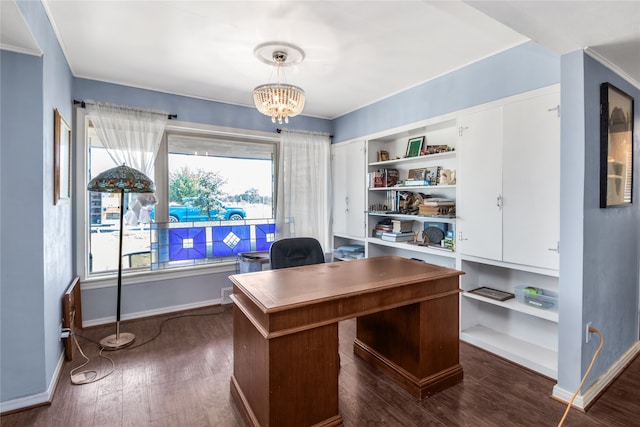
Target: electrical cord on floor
586,374
88,376
91,376
223,309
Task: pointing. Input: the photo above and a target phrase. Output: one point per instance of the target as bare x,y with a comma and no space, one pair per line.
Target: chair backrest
294,252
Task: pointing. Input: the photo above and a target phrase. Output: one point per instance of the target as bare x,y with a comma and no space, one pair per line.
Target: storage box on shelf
348,252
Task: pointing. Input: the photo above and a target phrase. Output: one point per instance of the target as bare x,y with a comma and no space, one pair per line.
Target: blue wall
191,109
517,70
21,198
599,257
37,236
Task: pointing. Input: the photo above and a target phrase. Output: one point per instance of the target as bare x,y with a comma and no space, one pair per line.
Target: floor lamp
121,179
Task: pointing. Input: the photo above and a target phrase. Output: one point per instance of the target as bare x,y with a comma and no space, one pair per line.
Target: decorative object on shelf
432,174
433,235
447,177
417,174
61,159
414,146
279,100
436,149
121,179
616,147
383,156
493,293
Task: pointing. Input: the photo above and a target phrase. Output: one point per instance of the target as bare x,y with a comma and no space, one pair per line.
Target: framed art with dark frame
414,146
61,159
616,147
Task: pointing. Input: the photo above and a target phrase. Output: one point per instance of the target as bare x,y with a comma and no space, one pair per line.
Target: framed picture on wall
616,147
61,159
414,146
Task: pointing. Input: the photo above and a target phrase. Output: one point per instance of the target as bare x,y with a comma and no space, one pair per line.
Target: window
216,195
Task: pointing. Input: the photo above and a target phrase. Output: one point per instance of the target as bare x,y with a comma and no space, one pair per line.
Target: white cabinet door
479,180
349,175
531,182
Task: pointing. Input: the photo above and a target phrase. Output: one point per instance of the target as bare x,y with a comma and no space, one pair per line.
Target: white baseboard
583,400
148,313
35,399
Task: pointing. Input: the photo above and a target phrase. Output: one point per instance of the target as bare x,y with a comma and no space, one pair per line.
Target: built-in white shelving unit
506,225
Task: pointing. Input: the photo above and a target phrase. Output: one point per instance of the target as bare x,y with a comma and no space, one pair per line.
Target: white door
531,182
479,180
349,177
356,181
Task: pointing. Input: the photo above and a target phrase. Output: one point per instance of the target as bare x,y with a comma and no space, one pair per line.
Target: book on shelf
448,211
402,226
384,227
397,237
391,177
416,183
383,178
438,201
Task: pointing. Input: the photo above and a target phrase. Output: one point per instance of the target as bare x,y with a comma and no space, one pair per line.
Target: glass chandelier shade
121,179
280,101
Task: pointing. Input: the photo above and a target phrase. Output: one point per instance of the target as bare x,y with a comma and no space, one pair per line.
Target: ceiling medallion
279,100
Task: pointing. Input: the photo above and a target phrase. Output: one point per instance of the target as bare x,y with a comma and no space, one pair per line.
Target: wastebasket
253,261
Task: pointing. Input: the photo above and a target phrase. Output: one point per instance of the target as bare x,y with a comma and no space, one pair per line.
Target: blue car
189,212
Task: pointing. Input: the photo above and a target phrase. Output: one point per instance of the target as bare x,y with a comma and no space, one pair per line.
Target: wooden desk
285,334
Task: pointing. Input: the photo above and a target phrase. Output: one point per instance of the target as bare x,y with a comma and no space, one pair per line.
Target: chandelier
279,100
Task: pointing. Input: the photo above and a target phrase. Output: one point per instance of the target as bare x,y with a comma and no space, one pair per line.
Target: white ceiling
357,52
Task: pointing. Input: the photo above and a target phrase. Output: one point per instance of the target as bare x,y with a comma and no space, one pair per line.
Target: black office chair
294,252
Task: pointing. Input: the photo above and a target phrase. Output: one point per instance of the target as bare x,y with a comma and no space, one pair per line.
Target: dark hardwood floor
181,378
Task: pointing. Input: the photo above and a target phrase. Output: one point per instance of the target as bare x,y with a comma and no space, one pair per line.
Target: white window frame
161,180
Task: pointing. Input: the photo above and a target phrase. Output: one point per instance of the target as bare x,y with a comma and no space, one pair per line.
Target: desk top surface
278,289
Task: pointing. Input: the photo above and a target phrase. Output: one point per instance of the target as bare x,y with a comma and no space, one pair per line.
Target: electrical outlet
587,336
225,292
60,332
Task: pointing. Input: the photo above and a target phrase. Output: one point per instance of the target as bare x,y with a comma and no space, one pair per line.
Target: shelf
424,218
509,265
407,160
349,237
411,188
415,248
514,305
530,355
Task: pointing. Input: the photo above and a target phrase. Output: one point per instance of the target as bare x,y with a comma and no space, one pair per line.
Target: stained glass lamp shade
121,179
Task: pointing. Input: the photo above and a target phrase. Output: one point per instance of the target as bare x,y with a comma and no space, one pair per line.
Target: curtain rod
279,130
84,105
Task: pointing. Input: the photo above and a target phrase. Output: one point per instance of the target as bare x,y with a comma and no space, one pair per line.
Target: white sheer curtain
132,137
304,174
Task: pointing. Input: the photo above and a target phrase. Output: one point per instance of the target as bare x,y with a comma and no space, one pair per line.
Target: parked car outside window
188,212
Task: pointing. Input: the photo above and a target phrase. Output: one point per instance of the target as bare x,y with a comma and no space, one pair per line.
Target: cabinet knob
556,249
